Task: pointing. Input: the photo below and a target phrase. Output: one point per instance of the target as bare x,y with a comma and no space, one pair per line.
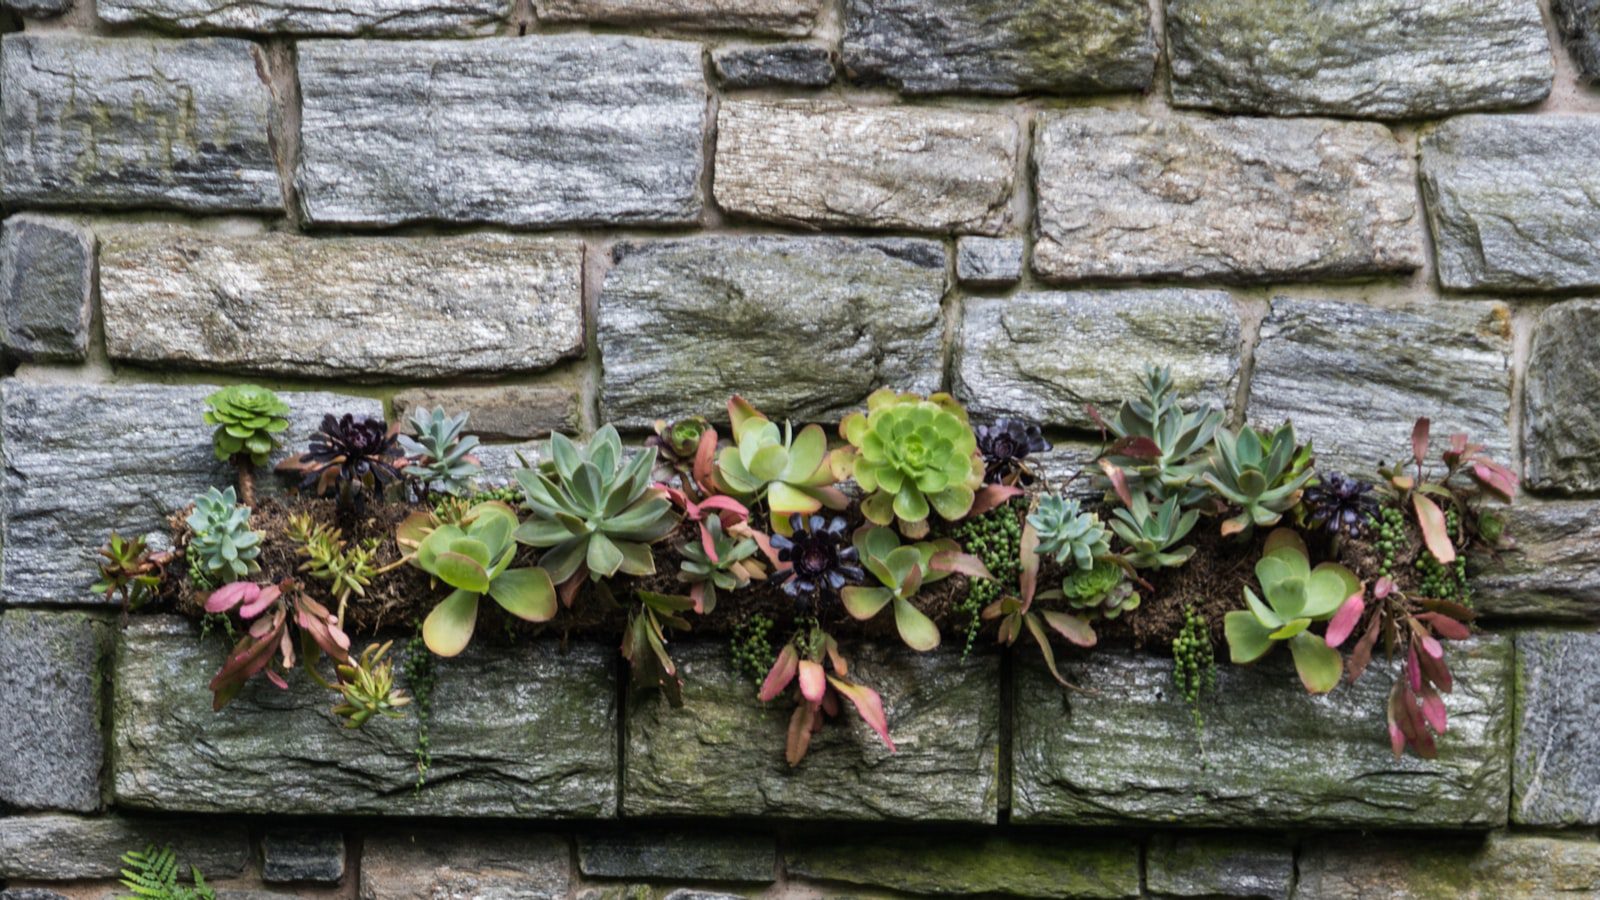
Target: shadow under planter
526,731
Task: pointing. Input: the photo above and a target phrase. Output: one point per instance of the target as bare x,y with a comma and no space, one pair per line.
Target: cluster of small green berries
752,648
1195,669
212,621
1441,581
420,675
996,538
1390,528
510,494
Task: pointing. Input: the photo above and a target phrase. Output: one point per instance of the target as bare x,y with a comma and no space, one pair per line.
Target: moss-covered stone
1220,865
1555,780
52,679
1020,866
1499,867
684,856
55,847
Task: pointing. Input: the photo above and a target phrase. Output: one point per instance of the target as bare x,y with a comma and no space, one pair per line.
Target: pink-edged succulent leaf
781,674
802,725
1495,478
1445,627
1345,620
992,496
1419,440
1028,556
1435,531
813,681
1076,630
1136,446
1433,711
956,561
868,705
230,595
705,460
1119,482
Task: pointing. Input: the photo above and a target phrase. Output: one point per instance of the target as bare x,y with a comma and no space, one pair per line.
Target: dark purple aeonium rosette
1004,445
1341,504
818,557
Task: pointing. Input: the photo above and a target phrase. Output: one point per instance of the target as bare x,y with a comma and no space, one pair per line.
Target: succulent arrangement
441,453
248,420
222,546
912,455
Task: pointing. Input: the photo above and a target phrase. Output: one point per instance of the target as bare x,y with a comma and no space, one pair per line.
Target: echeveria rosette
792,471
912,455
474,557
1066,532
247,418
1296,596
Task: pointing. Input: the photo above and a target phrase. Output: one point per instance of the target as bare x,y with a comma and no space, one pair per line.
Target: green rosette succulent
474,557
222,548
1263,474
441,453
901,570
912,455
1296,596
247,417
790,470
1065,532
1159,447
1102,591
1151,535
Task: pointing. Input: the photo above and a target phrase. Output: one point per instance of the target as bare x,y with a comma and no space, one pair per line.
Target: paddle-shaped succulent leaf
912,455
791,471
474,558
901,571
806,660
1067,533
1296,595
1262,474
1151,535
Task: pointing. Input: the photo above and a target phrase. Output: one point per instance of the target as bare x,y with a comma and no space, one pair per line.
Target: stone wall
558,213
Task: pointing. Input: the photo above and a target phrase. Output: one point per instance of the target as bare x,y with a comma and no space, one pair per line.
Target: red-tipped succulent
269,611
807,660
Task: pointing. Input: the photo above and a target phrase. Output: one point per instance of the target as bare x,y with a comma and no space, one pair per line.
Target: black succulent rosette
817,558
1004,445
1340,504
348,457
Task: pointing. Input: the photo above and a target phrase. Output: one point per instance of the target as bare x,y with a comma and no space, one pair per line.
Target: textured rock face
796,64
1328,366
525,732
821,162
1020,867
596,130
1257,866
795,17
491,866
1512,202
38,9
46,280
1579,21
943,714
1500,867
386,17
1383,59
1000,46
358,308
1554,572
803,327
1555,776
1042,356
989,262
55,847
50,709
1563,444
132,122
694,856
502,412
1129,752
1125,196
145,449
302,856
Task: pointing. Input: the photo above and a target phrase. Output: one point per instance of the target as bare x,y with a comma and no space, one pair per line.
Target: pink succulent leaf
1413,669
1433,711
964,563
697,593
277,680
1345,620
868,705
230,595
261,603
781,674
1435,532
992,497
1383,588
813,681
1419,440
1445,627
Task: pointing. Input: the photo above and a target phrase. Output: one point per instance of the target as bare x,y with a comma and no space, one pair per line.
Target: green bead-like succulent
1262,474
1296,596
247,417
1151,535
222,546
790,470
1065,532
912,454
1170,464
474,557
441,454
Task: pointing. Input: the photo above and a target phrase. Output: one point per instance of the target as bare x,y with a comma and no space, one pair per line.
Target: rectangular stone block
1496,867
1579,21
1122,195
804,328
82,460
52,747
397,18
360,309
1042,356
1371,59
55,847
991,865
129,122
697,856
46,286
792,17
1220,865
1553,571
722,754
1562,437
989,47
1513,202
503,411
989,262
518,732
425,865
794,64
531,132
1271,756
302,855
1555,775
825,163
1354,378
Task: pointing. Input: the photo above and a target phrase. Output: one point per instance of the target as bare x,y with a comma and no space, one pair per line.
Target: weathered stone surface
794,64
1354,378
54,847
128,122
1499,867
483,865
1512,202
793,17
302,855
1020,867
51,745
988,262
38,9
1042,356
526,732
1579,21
46,281
1374,59
1069,467
1563,393
803,327
31,894
503,412
1122,195
533,131
1000,46
1129,751
822,162
1231,865
1553,573
943,715
143,448
355,308
400,18
1555,775
685,856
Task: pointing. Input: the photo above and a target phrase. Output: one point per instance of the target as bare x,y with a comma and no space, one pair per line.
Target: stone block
1555,775
1562,439
52,747
1553,571
794,64
390,18
1102,867
989,262
1499,867
680,856
302,855
55,847
502,411
1220,865
427,865
791,17
46,285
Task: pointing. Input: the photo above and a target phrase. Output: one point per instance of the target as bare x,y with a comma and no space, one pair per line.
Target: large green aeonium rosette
911,454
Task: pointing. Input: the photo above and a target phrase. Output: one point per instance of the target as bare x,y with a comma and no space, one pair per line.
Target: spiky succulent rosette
1340,504
1005,446
912,455
816,556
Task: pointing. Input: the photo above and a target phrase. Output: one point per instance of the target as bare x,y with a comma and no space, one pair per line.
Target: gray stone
1273,757
503,411
533,131
31,894
1513,203
51,745
1021,866
804,328
792,17
54,847
794,64
1069,467
1555,775
1563,395
1373,59
302,855
826,163
722,753
1495,867
144,450
38,9
1224,865
361,309
1579,21
1354,378
988,262
683,856
46,281
527,731
399,18
1122,195
483,865
1042,356
128,122
1553,573
1000,46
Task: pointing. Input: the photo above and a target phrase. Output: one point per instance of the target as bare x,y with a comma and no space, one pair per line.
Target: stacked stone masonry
559,213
